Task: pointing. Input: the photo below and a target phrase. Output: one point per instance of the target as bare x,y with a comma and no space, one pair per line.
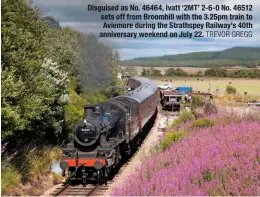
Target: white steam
55,167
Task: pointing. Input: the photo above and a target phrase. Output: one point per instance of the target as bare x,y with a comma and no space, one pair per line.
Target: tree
151,72
175,72
216,72
180,72
40,70
23,51
115,86
74,109
63,46
254,73
37,63
144,72
231,90
155,72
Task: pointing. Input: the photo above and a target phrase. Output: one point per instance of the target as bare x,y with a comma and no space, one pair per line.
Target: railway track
80,190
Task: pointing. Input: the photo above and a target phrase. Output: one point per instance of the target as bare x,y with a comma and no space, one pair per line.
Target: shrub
96,97
183,117
10,178
55,153
26,166
197,101
231,90
56,178
172,137
198,112
210,108
40,160
225,118
38,164
197,105
202,123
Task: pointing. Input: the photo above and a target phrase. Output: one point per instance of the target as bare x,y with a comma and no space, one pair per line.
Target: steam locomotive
109,131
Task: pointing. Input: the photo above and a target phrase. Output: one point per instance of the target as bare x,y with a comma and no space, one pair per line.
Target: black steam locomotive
109,131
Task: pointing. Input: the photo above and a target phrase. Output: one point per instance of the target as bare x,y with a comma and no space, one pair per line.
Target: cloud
76,15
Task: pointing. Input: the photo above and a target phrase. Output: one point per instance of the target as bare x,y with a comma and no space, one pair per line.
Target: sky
74,13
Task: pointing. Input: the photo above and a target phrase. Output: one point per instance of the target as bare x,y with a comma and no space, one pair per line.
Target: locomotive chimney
88,110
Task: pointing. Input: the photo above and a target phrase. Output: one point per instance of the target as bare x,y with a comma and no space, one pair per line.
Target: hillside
210,155
237,56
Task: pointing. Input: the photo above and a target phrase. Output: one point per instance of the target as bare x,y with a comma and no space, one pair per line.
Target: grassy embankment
28,173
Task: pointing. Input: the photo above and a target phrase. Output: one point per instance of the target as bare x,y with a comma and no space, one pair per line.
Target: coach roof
143,92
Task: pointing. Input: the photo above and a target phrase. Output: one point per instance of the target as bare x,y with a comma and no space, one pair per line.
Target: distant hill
237,56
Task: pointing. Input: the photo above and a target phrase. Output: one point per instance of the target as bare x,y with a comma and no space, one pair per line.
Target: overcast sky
74,13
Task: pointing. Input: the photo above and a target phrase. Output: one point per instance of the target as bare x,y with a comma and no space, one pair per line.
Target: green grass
172,137
183,117
202,123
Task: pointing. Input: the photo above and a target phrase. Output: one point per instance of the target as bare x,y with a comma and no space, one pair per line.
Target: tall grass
205,122
26,166
10,178
235,99
182,118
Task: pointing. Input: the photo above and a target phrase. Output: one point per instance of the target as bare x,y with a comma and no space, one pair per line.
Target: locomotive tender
109,131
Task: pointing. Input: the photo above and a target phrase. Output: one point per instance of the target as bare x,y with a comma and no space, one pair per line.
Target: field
251,86
190,70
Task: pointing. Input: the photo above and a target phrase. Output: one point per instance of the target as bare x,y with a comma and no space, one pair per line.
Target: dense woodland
237,56
48,75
